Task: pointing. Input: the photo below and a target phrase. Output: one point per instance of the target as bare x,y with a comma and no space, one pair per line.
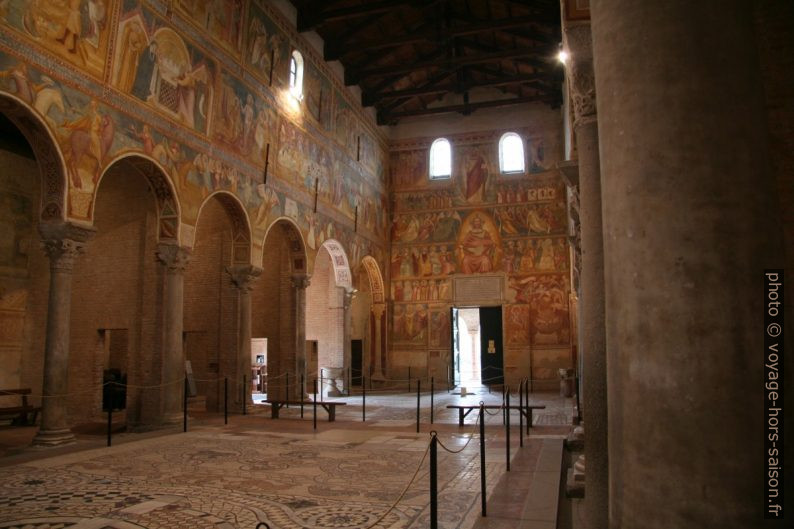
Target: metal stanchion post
482,456
433,481
432,397
245,381
314,404
322,384
110,419
286,400
409,379
302,389
504,389
184,407
521,414
363,399
526,403
418,401
225,400
507,428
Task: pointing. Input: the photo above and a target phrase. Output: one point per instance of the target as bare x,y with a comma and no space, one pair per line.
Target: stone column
62,243
690,223
300,283
174,260
378,309
242,277
346,332
578,40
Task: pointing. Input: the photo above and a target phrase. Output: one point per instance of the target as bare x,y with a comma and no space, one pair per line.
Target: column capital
175,258
348,298
63,242
243,276
301,281
378,309
581,77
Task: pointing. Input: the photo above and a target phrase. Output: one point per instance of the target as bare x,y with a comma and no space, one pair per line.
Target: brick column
242,278
174,260
62,242
346,332
378,309
300,283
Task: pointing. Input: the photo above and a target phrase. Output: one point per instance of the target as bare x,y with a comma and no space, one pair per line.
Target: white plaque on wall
478,289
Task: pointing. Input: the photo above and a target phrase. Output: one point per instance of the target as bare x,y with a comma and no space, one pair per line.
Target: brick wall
325,316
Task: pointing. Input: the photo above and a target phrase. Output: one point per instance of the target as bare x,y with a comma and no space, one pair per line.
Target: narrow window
511,153
296,74
440,159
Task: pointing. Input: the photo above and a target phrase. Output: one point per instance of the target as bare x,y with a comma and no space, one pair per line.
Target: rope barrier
402,494
471,436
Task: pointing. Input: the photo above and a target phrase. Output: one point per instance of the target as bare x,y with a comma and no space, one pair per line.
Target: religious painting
221,19
517,325
523,256
440,226
267,48
479,244
547,296
474,171
409,324
16,213
245,123
409,169
422,290
154,64
368,151
440,332
75,30
523,191
444,199
345,126
317,95
531,219
547,362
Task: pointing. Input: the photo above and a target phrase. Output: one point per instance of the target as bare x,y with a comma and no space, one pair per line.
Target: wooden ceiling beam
389,118
311,19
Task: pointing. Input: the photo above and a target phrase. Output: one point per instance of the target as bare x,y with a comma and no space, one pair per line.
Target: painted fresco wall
480,222
200,87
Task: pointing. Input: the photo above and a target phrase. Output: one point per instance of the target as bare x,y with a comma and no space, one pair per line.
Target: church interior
386,263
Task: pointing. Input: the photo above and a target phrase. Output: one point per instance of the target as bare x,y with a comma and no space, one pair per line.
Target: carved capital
243,276
63,242
174,258
301,282
378,309
348,298
583,94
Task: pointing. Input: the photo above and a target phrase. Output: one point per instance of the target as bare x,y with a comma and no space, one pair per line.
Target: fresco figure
476,174
477,248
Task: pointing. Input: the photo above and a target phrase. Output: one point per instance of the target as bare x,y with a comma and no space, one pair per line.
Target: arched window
440,159
296,74
511,153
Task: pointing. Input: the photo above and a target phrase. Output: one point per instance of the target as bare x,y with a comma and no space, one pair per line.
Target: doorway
477,354
356,350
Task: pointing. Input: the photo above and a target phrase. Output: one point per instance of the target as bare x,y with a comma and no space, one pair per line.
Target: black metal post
302,389
409,379
432,397
225,400
364,398
418,401
322,384
578,407
521,413
526,403
286,400
184,407
507,427
504,389
110,419
314,404
482,456
433,481
245,382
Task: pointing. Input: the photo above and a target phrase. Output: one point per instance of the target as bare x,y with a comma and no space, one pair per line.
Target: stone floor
347,474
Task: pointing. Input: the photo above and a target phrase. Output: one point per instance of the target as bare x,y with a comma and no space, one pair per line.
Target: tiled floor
347,474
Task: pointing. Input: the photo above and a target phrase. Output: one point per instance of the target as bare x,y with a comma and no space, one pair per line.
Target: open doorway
259,370
477,355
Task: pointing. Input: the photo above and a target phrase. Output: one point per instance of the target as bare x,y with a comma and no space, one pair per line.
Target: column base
51,438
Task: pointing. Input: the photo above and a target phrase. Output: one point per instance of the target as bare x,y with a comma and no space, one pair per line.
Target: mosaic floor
347,475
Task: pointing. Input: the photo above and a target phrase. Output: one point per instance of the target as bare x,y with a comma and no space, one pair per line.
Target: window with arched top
511,153
440,159
296,74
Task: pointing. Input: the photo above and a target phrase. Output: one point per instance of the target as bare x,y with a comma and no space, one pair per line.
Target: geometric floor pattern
345,476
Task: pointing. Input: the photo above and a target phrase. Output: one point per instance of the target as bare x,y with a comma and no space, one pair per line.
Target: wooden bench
330,407
465,409
20,413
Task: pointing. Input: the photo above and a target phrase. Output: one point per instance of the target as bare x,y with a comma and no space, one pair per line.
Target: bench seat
329,406
465,409
21,413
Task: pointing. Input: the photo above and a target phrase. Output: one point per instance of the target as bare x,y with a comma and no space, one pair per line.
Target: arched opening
212,314
278,312
24,268
369,321
117,295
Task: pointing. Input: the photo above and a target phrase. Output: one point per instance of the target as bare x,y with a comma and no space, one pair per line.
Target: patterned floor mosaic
223,478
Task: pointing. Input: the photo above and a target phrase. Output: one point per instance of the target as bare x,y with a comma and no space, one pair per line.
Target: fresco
267,48
440,331
345,126
317,93
410,324
75,30
222,19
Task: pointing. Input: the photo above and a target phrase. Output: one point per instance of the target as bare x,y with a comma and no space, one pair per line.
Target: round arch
49,157
241,225
169,211
298,252
340,263
375,278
